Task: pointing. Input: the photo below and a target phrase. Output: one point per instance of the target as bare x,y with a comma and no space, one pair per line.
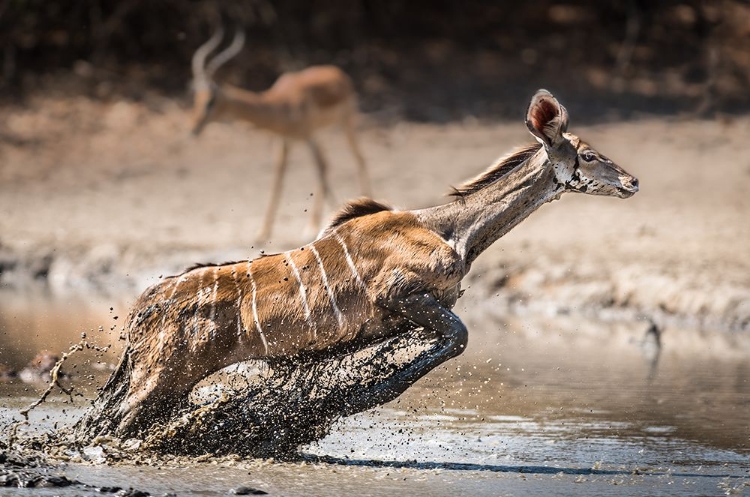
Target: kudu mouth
629,187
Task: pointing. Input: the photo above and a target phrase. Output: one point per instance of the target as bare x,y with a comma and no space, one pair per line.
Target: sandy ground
104,198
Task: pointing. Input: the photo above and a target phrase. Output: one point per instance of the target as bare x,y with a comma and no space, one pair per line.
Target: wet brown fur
191,325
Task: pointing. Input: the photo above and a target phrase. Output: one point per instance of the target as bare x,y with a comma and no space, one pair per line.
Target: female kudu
295,108
372,274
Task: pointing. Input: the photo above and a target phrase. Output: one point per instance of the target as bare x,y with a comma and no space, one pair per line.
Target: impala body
295,108
373,273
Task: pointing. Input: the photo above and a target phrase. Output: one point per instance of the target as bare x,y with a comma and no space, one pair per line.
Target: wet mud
268,410
27,472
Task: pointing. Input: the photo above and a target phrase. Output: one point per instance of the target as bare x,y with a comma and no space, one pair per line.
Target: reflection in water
651,348
29,327
558,378
563,396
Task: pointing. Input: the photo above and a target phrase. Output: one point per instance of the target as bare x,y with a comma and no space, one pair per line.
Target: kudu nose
634,183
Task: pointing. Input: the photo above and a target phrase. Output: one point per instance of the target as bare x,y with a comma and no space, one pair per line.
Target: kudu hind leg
279,171
439,323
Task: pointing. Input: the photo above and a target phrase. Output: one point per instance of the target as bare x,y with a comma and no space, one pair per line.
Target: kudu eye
588,156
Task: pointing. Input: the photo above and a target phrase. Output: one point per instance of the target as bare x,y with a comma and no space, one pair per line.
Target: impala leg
278,180
439,324
364,176
323,190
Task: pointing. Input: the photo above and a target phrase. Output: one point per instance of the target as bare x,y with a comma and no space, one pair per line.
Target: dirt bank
105,198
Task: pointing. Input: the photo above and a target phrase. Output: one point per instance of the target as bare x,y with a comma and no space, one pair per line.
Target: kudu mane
200,265
358,208
502,167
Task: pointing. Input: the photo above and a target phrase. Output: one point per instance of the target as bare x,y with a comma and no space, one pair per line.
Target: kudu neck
475,220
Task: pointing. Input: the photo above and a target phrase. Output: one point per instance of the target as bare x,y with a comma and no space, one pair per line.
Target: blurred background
424,61
103,190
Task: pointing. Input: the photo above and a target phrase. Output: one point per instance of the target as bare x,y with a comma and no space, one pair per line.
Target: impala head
577,166
206,92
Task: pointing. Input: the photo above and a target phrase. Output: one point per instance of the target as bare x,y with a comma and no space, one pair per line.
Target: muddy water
559,406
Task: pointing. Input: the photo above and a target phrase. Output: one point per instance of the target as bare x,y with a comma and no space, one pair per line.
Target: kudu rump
295,108
372,275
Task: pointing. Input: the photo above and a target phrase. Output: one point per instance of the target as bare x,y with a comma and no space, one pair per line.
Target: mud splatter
287,404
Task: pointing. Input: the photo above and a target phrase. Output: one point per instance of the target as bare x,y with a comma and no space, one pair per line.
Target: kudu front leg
278,180
439,324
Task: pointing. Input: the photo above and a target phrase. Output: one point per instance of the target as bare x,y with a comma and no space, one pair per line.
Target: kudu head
206,99
577,166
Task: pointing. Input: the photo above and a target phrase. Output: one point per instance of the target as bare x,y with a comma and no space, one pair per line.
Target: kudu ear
546,119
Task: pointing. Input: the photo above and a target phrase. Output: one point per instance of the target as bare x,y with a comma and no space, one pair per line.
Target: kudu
373,273
295,108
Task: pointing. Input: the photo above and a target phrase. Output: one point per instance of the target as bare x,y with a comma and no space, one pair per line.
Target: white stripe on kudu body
212,314
238,289
198,295
329,290
175,285
303,295
255,306
349,260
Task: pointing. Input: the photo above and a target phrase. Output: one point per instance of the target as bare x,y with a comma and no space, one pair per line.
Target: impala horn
200,78
222,57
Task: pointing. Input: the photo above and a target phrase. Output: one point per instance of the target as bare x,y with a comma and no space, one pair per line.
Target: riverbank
103,198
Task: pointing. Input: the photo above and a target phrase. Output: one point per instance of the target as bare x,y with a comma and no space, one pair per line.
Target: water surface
558,406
